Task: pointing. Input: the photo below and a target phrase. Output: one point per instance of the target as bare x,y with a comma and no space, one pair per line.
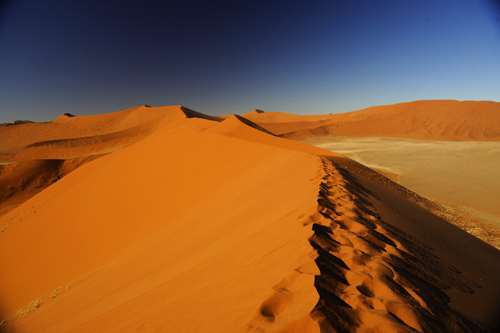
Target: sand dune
425,120
465,173
241,128
20,181
212,225
71,137
41,153
439,165
280,122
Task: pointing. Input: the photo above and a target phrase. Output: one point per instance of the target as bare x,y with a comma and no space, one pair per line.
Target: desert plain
165,219
465,173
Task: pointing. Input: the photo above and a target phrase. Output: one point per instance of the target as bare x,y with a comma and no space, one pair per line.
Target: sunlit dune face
171,219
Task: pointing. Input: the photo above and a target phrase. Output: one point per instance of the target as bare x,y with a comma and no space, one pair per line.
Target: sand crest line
366,275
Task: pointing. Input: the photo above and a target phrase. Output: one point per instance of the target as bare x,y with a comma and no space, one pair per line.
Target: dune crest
373,273
63,117
134,121
38,150
239,127
424,120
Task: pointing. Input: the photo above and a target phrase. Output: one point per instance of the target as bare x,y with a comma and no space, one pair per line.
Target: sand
35,155
448,120
204,224
445,150
465,173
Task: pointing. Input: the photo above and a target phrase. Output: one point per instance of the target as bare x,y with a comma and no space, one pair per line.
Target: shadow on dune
407,275
21,181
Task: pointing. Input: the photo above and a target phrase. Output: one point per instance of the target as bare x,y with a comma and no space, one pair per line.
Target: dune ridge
211,225
385,284
239,127
73,135
195,114
426,120
39,151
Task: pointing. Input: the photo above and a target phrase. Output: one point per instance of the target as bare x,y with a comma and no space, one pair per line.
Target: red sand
425,120
199,225
41,153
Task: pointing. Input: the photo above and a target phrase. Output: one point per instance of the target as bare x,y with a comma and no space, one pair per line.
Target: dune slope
20,181
208,226
425,120
72,137
35,155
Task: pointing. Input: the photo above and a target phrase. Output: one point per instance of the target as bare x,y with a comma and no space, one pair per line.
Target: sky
224,57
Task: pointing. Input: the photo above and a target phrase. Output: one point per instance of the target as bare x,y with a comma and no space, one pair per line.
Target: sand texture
466,173
444,150
192,223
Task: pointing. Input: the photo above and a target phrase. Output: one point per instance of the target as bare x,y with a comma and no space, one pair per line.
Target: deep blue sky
224,57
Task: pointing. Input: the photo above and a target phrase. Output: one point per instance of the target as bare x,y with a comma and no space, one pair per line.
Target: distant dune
73,137
425,120
41,153
17,122
193,223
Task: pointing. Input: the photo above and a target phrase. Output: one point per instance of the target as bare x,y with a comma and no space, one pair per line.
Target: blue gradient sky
224,57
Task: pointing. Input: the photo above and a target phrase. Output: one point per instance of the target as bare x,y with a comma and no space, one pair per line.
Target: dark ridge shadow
417,268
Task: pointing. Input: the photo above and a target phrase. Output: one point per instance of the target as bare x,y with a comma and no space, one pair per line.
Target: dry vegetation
483,226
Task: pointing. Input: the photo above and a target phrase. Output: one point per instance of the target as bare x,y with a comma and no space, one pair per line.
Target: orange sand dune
426,120
280,122
20,181
239,127
208,226
71,137
41,153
